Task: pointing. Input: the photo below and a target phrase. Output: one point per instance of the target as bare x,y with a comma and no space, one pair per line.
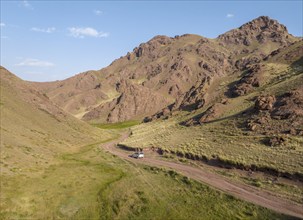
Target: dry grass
223,140
92,184
226,140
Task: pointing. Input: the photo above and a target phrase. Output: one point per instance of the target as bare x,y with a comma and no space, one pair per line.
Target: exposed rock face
196,97
251,79
287,56
272,115
289,105
265,103
134,101
262,30
153,70
149,49
278,115
245,62
211,113
181,69
216,63
247,43
193,99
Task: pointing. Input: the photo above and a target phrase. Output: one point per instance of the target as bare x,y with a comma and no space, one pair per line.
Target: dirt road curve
242,191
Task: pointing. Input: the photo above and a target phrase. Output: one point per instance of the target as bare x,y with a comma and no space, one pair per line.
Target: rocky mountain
165,74
274,85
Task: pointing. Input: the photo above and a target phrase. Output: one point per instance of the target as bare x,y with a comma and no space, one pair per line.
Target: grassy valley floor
93,184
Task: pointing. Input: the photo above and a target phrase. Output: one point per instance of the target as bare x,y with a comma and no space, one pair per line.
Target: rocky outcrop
211,113
289,105
196,97
261,30
264,103
278,115
193,99
252,78
245,62
289,56
153,70
149,49
134,101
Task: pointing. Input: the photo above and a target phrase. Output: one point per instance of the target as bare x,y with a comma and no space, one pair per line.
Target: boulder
265,102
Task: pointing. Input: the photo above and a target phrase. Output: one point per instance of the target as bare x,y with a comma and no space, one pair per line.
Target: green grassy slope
34,131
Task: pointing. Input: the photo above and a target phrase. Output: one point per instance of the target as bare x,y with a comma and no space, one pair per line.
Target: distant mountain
33,129
167,74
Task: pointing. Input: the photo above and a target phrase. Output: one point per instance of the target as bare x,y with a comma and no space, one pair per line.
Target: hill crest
164,71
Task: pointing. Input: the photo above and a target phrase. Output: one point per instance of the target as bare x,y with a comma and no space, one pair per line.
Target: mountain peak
263,23
261,30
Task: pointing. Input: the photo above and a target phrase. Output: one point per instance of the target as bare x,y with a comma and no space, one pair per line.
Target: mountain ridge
163,70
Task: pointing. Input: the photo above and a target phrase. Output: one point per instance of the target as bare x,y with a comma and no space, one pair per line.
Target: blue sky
51,40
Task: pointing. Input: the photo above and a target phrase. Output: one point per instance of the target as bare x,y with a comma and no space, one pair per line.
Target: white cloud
98,12
230,15
26,4
2,24
35,63
44,30
86,32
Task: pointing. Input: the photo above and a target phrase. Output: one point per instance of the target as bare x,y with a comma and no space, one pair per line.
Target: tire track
239,190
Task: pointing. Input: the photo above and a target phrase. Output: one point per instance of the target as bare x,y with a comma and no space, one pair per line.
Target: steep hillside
266,79
33,130
255,121
166,73
247,46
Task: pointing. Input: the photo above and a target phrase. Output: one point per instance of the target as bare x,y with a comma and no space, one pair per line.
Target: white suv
138,155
